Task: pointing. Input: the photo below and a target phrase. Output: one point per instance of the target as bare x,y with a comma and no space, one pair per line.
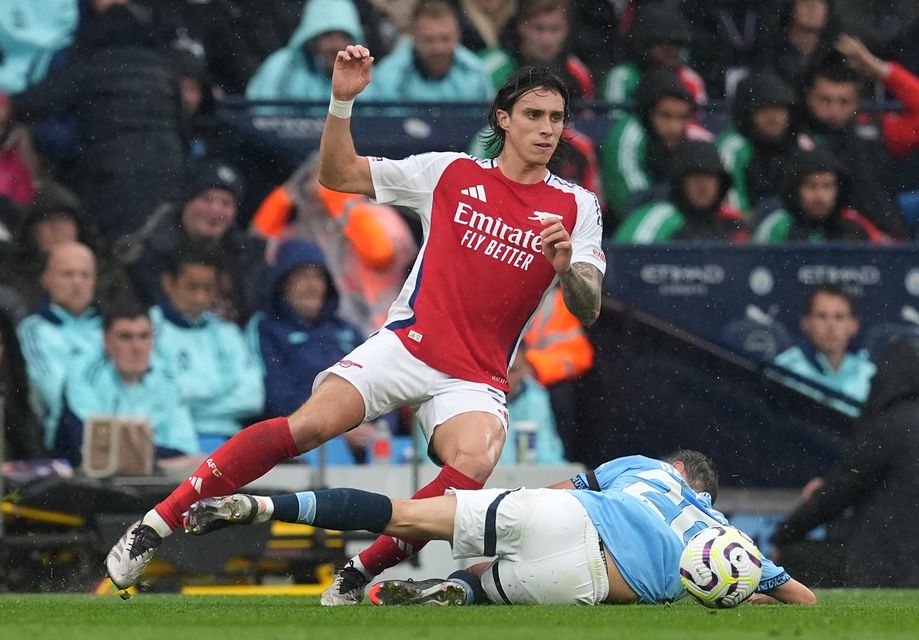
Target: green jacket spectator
761,141
635,156
695,208
814,189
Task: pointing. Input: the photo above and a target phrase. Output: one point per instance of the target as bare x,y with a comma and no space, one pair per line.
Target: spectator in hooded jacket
696,207
432,66
215,373
814,193
539,36
659,39
635,156
299,335
125,99
209,212
31,32
760,142
367,247
303,69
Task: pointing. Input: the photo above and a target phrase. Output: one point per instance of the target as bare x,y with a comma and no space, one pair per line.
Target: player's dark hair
831,290
699,470
204,252
122,310
524,80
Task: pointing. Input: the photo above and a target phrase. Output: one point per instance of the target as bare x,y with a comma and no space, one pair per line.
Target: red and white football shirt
480,275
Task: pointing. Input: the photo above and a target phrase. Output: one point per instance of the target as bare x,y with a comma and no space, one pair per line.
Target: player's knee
310,431
477,458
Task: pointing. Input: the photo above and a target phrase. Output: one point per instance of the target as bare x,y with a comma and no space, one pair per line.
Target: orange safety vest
556,346
362,228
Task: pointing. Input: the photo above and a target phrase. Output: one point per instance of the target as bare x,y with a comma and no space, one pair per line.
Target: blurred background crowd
148,267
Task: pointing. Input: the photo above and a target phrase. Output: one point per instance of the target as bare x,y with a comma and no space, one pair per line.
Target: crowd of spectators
133,268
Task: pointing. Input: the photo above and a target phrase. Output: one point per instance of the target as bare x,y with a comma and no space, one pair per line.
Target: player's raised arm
340,168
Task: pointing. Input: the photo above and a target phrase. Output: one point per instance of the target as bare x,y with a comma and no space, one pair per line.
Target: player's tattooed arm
581,291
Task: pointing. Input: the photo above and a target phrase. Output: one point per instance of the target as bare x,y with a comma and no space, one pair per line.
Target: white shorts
548,549
388,377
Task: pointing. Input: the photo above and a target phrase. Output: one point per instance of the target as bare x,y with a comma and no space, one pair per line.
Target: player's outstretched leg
212,514
387,551
246,456
435,591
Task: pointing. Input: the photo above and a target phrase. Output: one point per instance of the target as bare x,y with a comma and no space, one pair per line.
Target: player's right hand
351,72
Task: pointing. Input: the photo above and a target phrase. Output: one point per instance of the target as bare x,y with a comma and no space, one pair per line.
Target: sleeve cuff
772,583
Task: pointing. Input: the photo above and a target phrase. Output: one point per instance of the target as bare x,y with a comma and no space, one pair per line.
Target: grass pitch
884,614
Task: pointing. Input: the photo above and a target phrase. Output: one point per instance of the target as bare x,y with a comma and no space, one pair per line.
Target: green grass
841,614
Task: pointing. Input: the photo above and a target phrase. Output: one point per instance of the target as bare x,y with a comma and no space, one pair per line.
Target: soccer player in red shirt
497,235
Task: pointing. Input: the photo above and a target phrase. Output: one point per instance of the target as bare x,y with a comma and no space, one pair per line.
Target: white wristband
341,108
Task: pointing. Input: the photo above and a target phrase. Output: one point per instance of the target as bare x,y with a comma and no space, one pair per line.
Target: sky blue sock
294,507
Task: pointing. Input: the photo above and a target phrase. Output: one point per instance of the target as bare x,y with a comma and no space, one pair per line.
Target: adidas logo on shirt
195,483
477,192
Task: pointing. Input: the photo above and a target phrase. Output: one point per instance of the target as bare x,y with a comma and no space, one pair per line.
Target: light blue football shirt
645,514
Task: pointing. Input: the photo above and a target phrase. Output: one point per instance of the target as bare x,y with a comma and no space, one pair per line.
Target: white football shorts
388,377
548,550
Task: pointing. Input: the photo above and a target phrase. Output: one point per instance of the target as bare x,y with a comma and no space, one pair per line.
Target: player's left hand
556,245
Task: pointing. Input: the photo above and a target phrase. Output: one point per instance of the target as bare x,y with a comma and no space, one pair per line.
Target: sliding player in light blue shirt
609,536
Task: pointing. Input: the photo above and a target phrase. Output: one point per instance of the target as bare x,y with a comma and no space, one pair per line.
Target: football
720,567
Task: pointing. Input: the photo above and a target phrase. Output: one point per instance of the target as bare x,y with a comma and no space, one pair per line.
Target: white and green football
720,567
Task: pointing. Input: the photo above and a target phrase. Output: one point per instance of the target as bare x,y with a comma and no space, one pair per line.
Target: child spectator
215,373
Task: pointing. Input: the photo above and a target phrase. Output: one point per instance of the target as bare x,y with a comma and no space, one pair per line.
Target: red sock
388,551
246,456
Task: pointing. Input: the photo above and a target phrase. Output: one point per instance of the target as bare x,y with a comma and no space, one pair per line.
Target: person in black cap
814,197
694,209
209,211
760,142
